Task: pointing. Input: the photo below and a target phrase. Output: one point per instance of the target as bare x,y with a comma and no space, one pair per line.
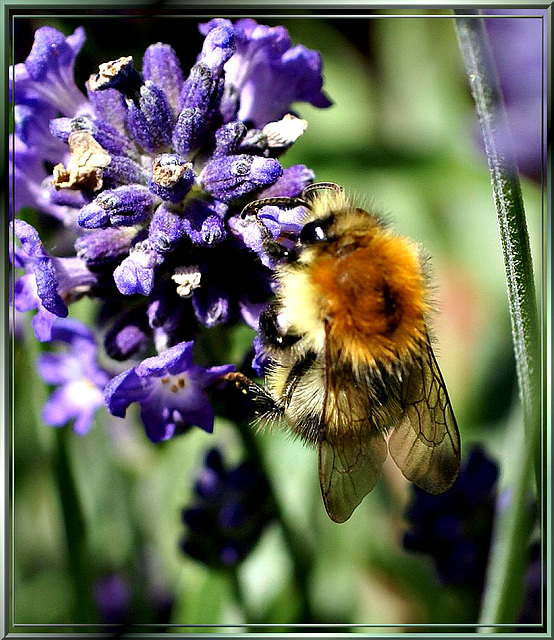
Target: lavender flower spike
171,391
151,168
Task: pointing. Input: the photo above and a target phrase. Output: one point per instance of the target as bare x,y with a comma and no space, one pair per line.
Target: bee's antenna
253,207
307,194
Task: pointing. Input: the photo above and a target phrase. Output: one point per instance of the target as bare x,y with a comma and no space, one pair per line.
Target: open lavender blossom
49,282
171,392
148,170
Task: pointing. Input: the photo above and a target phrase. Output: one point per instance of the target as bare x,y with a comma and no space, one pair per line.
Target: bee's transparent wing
351,448
425,443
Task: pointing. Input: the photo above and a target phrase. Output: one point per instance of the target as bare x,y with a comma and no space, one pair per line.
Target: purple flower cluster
232,508
148,173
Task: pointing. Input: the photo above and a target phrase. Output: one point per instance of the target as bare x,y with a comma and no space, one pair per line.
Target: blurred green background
402,135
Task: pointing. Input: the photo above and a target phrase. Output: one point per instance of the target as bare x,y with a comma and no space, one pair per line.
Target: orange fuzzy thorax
372,296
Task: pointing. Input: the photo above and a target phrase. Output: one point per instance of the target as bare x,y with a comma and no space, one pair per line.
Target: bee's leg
263,402
311,189
274,248
271,333
278,251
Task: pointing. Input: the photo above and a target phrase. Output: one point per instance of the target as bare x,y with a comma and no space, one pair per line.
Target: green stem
73,520
512,224
506,569
299,554
508,558
75,530
238,593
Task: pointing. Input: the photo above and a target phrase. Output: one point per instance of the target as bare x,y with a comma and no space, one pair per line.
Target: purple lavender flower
455,527
231,511
267,74
171,391
151,169
112,597
79,380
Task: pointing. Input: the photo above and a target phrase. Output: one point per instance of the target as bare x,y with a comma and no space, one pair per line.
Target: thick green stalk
508,200
505,574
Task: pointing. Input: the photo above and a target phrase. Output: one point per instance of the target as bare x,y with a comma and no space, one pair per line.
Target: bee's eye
315,231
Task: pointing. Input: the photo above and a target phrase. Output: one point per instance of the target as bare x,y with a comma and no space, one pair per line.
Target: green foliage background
403,135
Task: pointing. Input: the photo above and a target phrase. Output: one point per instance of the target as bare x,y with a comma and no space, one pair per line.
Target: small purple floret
171,391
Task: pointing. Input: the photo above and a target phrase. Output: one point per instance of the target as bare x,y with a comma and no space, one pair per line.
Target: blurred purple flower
79,380
112,597
518,44
455,527
171,391
232,507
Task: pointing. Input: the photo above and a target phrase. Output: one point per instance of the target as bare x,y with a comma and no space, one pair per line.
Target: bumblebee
351,367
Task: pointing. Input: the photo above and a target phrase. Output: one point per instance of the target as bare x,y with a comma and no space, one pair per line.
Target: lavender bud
107,136
93,216
203,223
123,170
136,273
189,131
149,118
166,229
218,47
291,183
123,206
230,177
161,65
172,178
109,105
202,90
104,246
228,138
